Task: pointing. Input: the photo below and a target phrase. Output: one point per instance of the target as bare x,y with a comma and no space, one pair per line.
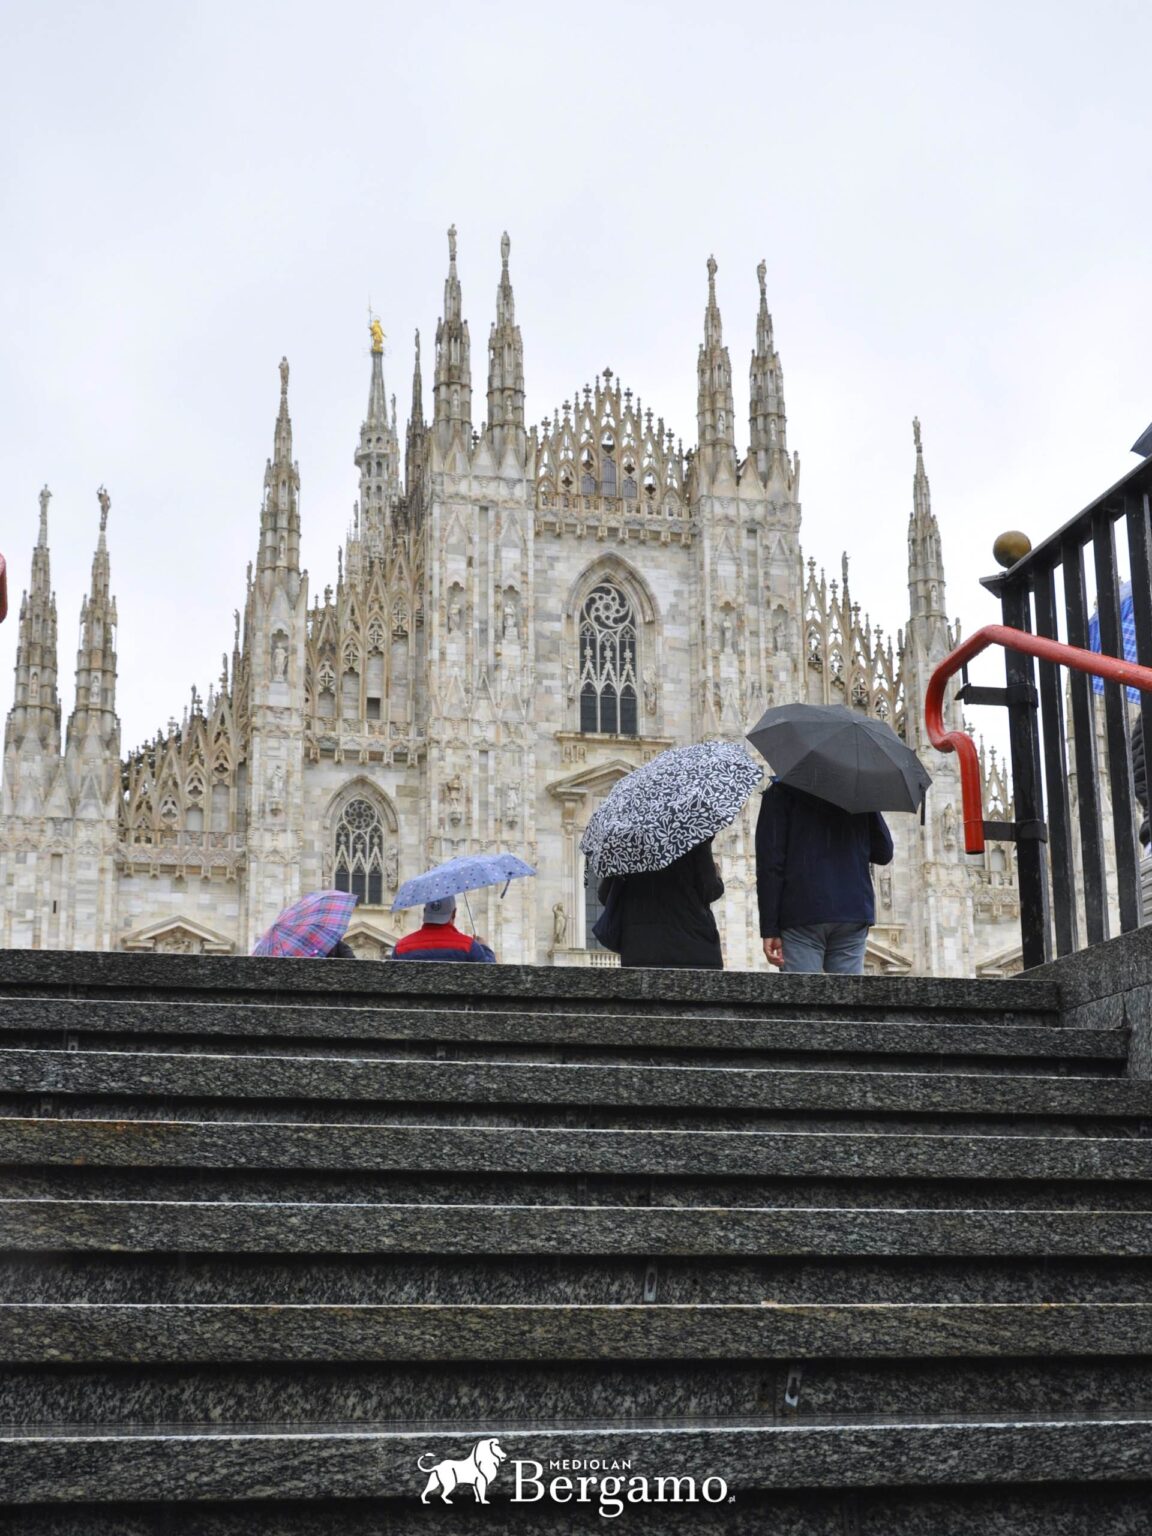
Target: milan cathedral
521,615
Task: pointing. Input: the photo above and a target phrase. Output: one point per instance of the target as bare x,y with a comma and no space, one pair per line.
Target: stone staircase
853,1255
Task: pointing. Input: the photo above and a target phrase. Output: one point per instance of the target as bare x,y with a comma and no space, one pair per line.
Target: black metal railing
1062,859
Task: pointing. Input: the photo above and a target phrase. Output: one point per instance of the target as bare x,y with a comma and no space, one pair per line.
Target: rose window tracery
358,865
608,663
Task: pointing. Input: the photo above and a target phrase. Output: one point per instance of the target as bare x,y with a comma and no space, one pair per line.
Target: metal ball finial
1010,547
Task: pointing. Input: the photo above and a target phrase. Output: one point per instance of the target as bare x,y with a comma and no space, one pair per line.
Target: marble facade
521,615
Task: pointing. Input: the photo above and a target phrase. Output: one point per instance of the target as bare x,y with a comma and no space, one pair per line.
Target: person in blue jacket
440,939
813,880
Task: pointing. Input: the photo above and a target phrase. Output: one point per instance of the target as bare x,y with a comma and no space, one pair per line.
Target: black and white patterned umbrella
658,812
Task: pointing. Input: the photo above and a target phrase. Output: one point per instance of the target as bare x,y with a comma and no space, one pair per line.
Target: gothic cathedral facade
521,615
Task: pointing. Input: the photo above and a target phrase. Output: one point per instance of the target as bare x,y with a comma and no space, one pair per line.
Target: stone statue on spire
452,242
505,247
105,501
283,376
377,334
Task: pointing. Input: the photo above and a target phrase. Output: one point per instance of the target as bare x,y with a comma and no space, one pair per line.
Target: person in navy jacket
813,880
440,939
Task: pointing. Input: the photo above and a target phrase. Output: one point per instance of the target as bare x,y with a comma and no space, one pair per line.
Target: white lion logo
478,1470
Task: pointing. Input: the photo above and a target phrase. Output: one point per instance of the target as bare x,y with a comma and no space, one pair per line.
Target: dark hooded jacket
812,861
666,917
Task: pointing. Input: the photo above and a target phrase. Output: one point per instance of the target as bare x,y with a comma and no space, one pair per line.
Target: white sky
952,202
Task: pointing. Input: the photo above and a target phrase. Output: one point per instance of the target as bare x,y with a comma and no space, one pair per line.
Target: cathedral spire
453,384
95,708
35,710
506,366
377,457
925,556
766,418
280,513
377,398
414,446
714,398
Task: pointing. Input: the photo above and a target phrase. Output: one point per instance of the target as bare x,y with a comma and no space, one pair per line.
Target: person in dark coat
813,880
666,916
341,951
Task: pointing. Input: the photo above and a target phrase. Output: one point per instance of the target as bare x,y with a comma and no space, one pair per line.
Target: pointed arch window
359,854
608,667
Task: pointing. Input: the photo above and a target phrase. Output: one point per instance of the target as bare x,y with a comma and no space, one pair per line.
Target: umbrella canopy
309,927
658,812
851,760
467,873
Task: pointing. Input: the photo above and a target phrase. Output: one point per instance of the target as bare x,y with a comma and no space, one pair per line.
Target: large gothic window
608,662
359,862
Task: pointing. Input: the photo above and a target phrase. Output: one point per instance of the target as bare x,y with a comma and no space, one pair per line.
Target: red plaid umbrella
309,927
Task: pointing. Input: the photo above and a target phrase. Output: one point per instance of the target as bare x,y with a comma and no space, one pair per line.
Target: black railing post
1116,723
1056,772
1084,728
1136,514
1024,740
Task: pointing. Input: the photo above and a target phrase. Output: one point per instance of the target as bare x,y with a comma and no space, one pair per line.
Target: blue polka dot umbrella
659,811
467,873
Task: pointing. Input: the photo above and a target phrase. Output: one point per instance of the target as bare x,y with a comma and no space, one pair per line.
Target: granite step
240,979
83,1020
256,1463
467,1188
581,1153
604,1390
138,1226
319,1334
591,1117
1044,1509
936,1056
113,1074
339,1279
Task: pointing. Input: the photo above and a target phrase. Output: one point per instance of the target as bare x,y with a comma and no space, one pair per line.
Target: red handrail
1110,667
3,590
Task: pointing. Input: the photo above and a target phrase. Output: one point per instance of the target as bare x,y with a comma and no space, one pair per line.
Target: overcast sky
951,200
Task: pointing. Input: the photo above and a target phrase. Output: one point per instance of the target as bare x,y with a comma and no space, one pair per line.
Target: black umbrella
851,760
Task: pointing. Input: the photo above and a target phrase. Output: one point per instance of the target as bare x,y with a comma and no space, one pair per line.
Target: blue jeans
834,947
